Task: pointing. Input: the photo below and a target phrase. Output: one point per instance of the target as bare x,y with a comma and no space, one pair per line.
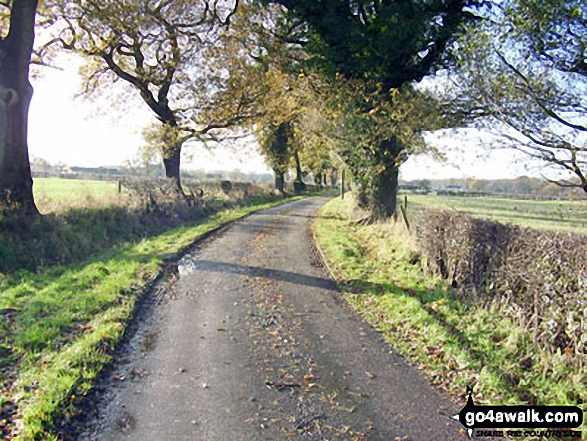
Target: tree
16,183
388,44
524,65
555,31
259,46
399,118
477,185
42,166
426,184
161,49
281,124
274,142
314,132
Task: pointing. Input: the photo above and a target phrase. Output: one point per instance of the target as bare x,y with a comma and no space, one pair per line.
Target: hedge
539,277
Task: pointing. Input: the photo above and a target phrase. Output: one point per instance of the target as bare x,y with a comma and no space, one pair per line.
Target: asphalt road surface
252,341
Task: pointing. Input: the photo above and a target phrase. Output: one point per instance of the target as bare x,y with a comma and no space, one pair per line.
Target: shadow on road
306,216
427,299
189,266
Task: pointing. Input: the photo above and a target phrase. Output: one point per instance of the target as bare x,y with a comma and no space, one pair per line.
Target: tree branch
537,99
226,21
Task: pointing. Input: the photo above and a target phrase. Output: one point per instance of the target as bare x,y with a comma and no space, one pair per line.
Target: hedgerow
150,209
537,278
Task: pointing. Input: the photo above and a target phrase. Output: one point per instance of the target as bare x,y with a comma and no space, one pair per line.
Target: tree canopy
383,46
523,67
391,42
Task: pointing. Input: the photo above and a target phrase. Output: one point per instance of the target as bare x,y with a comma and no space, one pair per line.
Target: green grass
59,325
552,215
455,344
54,194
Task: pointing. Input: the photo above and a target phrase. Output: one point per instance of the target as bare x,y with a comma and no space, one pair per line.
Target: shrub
539,278
226,186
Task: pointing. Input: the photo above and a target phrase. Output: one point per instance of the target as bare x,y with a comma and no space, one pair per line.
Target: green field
54,194
554,215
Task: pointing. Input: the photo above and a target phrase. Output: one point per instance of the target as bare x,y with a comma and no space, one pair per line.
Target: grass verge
456,344
60,325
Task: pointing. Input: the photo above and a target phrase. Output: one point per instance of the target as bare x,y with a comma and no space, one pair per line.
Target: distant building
104,170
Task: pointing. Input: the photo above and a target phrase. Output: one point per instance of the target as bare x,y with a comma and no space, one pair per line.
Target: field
552,215
54,194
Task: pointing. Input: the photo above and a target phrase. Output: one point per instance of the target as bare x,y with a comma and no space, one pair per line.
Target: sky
65,128
91,132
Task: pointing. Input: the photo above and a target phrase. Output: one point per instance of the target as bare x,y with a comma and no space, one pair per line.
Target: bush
226,186
539,278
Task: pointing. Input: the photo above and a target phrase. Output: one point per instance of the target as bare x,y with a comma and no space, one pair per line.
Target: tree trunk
298,167
333,177
385,184
299,185
171,161
318,180
385,193
279,181
16,182
342,183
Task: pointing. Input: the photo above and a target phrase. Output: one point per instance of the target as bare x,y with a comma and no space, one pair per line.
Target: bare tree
160,48
524,66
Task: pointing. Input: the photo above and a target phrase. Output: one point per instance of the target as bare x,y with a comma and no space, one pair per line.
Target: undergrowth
77,232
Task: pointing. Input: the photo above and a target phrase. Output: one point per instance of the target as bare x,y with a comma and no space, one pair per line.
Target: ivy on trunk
386,181
391,44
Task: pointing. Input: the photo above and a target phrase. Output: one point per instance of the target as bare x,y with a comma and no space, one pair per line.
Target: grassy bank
456,344
59,324
91,217
554,215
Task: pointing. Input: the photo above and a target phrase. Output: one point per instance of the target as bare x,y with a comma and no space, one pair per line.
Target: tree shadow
194,266
427,297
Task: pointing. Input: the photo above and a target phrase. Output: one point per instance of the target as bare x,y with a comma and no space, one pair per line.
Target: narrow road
253,342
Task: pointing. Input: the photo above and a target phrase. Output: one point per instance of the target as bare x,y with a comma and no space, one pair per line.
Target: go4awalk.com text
544,422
